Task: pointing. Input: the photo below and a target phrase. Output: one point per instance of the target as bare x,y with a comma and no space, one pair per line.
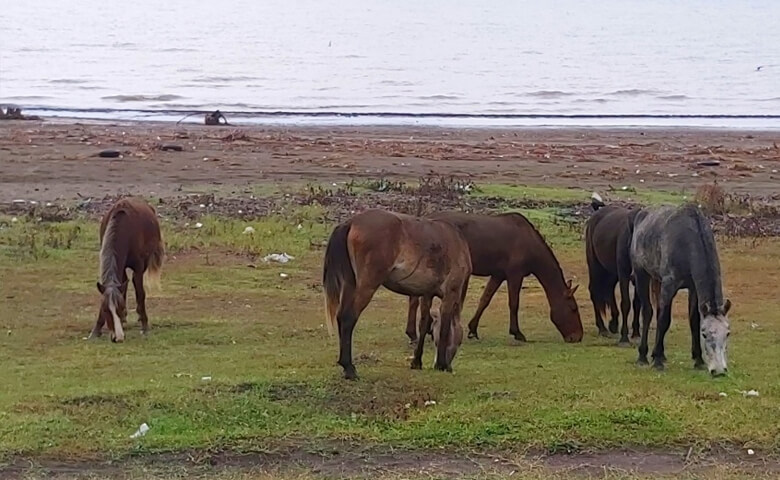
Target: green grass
225,314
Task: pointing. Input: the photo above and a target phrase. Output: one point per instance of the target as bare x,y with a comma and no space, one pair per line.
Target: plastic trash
284,275
141,431
198,225
206,379
723,394
249,230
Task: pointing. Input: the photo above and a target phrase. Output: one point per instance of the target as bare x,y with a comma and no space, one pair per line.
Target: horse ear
705,310
568,284
101,288
726,307
571,291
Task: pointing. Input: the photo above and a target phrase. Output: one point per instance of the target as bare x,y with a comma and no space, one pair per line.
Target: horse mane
711,266
108,261
522,221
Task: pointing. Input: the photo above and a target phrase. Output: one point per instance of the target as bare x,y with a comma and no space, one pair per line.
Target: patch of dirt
342,460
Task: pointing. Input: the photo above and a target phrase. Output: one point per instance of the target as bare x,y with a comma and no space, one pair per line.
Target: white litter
428,403
198,225
202,205
278,257
249,230
723,394
754,326
750,451
300,226
206,379
179,375
14,220
19,201
750,393
625,187
141,431
283,275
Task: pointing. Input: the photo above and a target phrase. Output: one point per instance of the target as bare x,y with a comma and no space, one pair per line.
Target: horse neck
545,267
705,270
113,255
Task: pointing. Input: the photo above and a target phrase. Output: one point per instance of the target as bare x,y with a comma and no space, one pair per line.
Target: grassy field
239,358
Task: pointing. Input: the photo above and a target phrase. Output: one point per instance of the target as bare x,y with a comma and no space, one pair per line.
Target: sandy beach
57,160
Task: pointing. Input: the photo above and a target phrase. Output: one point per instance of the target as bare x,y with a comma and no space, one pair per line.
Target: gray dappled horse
674,248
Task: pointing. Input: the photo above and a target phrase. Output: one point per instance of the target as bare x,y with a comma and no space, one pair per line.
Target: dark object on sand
15,113
172,148
215,117
709,163
109,154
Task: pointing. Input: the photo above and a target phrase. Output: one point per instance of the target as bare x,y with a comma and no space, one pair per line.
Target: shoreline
56,159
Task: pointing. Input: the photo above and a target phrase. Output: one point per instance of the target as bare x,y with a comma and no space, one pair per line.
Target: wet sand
57,160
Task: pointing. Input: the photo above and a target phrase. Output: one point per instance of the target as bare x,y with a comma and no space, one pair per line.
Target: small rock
206,379
14,220
109,154
284,275
723,394
711,162
428,403
750,451
198,225
172,148
750,393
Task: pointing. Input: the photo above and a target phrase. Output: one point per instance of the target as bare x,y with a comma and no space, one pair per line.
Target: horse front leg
487,295
694,318
352,305
97,330
425,326
140,300
514,286
411,319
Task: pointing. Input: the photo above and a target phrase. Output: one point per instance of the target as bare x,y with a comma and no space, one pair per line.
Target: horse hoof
474,335
604,333
624,343
658,366
350,374
613,327
442,368
642,362
519,337
416,365
635,336
699,366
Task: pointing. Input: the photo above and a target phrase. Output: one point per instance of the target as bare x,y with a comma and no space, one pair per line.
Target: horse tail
337,273
154,268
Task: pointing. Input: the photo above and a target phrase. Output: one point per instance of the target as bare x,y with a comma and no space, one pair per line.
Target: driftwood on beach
15,113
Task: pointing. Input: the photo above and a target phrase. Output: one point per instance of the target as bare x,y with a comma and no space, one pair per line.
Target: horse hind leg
514,287
666,293
643,290
613,310
353,302
625,307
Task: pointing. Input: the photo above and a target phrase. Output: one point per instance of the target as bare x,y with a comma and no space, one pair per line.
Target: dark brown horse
508,247
607,251
129,238
407,255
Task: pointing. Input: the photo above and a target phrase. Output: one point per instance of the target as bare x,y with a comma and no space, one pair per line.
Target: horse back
135,222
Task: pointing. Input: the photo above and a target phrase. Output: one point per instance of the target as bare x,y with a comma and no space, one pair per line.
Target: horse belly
413,280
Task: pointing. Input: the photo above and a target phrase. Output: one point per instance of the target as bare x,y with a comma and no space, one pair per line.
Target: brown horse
407,255
607,251
508,247
129,238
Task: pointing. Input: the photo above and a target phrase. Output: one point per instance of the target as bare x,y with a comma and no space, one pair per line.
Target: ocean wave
549,94
68,81
632,92
439,97
221,78
143,98
673,97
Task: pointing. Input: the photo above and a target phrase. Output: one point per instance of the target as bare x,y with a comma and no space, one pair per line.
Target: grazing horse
508,247
129,238
408,255
674,248
607,245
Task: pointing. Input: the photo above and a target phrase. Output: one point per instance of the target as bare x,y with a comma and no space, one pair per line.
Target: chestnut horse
129,238
407,255
508,247
607,251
